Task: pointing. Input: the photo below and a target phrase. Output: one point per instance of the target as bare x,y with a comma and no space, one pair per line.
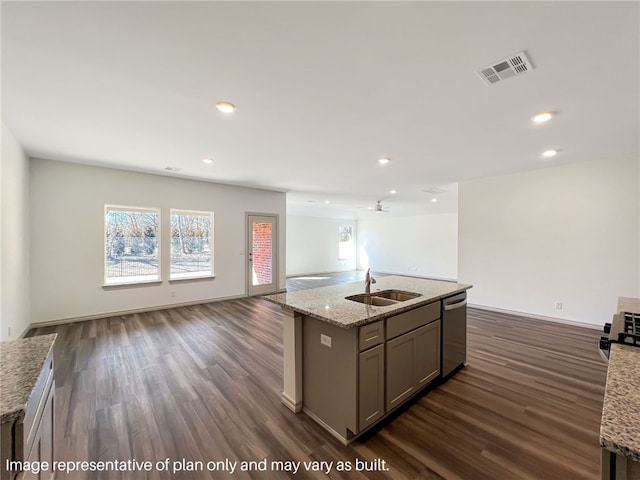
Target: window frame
350,242
122,280
200,213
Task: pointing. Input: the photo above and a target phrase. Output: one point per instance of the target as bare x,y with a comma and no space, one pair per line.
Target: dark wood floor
204,383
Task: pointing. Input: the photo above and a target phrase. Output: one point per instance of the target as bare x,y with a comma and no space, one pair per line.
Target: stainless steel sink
383,298
369,299
397,295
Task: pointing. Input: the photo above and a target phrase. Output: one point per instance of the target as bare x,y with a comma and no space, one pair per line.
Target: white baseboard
290,404
84,318
537,317
325,272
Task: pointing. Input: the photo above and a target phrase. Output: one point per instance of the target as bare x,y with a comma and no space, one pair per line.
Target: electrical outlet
9,331
325,340
173,293
558,305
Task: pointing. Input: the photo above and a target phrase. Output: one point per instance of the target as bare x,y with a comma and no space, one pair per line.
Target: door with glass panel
261,254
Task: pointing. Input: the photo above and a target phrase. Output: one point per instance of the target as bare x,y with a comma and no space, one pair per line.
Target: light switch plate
325,340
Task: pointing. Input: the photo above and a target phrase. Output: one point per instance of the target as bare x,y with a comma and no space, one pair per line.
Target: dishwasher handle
453,306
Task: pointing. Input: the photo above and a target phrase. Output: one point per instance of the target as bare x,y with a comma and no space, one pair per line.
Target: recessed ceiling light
383,161
225,107
542,117
327,202
393,192
549,153
208,161
434,199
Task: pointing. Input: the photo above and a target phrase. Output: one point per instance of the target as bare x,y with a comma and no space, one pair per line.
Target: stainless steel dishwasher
454,332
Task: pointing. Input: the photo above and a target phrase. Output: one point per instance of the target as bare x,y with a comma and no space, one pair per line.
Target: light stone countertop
620,425
21,362
329,303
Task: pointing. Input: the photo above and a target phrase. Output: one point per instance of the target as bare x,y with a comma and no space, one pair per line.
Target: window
191,244
131,245
345,243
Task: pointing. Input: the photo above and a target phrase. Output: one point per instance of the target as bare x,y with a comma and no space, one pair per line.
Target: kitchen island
620,425
349,363
26,404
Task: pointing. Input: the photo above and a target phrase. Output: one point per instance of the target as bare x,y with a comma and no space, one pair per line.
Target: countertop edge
614,447
395,309
17,413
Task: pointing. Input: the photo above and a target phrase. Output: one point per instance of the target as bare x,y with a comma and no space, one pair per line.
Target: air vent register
512,66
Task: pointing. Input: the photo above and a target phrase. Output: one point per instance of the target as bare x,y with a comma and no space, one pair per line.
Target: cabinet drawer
407,321
371,335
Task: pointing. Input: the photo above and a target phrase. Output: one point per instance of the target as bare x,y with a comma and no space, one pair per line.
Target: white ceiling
323,89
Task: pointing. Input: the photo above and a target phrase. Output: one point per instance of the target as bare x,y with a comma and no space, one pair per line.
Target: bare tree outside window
131,245
191,244
345,243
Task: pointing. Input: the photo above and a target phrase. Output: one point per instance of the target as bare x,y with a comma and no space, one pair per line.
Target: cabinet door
400,369
42,449
427,355
370,386
47,433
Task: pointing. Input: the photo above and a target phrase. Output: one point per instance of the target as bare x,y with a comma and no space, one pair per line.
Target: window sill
133,283
191,278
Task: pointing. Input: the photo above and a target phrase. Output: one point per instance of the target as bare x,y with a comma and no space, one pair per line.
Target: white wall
67,230
424,245
14,246
312,245
562,234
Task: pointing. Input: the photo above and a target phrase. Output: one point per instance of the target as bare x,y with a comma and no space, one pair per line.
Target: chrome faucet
368,280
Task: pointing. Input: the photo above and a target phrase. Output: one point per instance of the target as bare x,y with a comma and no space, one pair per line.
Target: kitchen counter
329,303
27,389
620,426
21,363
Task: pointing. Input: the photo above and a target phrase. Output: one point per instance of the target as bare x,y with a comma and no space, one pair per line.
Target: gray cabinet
400,369
413,360
370,386
353,377
427,355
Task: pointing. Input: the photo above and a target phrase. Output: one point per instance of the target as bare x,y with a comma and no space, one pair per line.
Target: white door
262,249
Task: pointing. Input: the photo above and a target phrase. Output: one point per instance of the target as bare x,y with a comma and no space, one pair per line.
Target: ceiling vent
434,190
512,66
172,169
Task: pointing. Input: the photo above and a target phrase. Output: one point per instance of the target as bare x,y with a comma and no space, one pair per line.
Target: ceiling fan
378,207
